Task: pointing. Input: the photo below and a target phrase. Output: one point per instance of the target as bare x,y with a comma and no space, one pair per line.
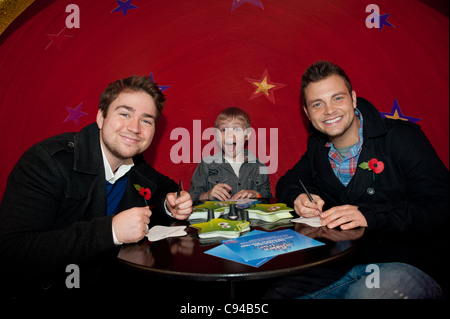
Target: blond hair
233,113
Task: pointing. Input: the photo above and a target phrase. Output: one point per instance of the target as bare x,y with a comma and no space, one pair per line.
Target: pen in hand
309,195
180,188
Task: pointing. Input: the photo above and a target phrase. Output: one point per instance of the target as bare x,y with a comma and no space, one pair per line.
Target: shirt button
370,191
71,144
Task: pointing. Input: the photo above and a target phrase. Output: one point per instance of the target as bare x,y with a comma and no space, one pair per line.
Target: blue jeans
373,281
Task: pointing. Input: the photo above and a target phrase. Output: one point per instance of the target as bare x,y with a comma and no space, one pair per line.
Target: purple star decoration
75,114
161,87
238,3
382,19
396,113
124,6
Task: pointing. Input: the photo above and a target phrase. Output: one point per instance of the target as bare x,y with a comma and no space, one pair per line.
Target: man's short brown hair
129,85
320,70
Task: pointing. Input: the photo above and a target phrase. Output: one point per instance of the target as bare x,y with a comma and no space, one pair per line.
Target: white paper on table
160,232
313,221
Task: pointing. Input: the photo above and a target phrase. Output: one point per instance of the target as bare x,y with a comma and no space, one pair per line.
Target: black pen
180,188
309,195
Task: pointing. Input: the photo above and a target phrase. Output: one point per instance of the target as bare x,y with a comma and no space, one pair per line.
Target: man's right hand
130,226
305,208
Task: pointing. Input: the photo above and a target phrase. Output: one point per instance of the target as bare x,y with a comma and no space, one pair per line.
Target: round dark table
185,258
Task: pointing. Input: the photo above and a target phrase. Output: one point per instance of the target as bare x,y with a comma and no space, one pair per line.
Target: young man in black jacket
74,197
379,174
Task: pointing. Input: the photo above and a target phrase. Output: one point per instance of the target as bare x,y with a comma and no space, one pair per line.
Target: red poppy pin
143,192
373,165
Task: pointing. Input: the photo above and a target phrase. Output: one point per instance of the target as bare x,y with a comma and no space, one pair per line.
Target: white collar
109,174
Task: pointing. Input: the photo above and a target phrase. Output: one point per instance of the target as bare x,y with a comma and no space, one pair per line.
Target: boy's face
233,135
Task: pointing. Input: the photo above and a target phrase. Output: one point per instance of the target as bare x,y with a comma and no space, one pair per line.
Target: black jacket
53,211
406,205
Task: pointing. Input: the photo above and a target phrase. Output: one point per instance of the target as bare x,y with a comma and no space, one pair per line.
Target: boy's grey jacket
213,170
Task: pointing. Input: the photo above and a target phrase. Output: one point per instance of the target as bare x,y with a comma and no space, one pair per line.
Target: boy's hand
220,192
245,194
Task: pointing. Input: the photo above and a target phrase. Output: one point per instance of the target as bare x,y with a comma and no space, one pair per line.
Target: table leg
233,293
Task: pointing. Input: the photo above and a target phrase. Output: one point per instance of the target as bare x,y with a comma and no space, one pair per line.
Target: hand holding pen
180,203
306,206
180,188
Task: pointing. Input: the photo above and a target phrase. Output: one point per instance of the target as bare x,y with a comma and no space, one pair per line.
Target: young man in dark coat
382,175
73,197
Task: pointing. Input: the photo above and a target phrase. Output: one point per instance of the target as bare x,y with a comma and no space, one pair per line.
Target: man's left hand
346,216
181,208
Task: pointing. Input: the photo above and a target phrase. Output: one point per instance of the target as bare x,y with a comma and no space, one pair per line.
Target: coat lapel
88,163
324,171
132,197
364,181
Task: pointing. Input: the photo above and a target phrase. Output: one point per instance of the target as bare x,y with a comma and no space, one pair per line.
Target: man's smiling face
128,128
331,109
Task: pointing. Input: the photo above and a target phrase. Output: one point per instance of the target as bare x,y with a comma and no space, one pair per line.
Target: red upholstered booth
208,55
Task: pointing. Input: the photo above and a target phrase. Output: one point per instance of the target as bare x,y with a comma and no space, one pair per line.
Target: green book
270,212
219,227
201,211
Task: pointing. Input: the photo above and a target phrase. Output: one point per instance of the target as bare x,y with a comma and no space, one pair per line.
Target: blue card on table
223,252
270,244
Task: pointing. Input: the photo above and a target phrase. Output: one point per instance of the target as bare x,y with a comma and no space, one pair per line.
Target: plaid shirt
346,168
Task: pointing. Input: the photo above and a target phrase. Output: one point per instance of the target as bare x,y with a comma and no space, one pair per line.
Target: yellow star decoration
263,86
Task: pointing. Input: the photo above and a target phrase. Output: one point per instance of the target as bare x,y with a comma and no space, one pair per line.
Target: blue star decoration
396,113
75,114
161,87
382,19
237,3
124,6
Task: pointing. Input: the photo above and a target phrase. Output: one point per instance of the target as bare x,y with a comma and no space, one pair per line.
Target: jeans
373,281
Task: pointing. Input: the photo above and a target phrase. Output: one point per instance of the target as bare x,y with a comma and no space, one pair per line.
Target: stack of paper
312,221
270,212
219,207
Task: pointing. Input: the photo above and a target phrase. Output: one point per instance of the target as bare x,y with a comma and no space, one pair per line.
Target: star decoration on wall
265,87
238,3
382,20
124,6
75,114
161,87
57,39
396,114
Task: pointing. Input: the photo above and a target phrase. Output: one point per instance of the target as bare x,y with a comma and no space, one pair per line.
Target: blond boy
234,172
